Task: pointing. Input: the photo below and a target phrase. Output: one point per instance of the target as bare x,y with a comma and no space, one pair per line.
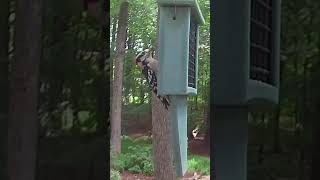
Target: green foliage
199,164
135,157
114,175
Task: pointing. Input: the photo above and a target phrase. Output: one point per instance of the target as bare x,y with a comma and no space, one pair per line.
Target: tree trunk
161,133
23,116
117,84
114,30
4,83
162,147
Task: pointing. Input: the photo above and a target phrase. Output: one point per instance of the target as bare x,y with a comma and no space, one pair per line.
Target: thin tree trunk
117,84
114,32
23,116
161,133
4,83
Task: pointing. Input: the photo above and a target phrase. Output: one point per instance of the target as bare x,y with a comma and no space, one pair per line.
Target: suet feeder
178,52
178,67
246,53
245,62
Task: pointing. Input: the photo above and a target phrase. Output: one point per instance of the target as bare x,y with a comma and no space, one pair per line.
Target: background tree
117,84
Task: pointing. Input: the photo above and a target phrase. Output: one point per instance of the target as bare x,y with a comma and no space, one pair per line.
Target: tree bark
4,83
23,116
114,30
118,79
161,133
162,147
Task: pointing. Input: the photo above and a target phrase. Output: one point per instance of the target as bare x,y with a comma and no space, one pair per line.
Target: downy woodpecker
150,69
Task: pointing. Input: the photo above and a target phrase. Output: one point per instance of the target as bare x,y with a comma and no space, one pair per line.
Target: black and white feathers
150,69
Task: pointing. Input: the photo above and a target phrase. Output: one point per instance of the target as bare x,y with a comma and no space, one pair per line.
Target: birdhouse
178,49
246,52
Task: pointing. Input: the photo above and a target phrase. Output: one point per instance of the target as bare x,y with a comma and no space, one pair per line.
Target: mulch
129,176
188,176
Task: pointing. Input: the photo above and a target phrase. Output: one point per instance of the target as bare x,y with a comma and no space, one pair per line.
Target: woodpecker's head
140,57
143,55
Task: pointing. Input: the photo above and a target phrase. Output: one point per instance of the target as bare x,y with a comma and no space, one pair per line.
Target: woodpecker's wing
153,64
152,81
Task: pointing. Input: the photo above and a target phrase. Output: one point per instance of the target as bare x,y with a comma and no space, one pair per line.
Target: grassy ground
136,157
